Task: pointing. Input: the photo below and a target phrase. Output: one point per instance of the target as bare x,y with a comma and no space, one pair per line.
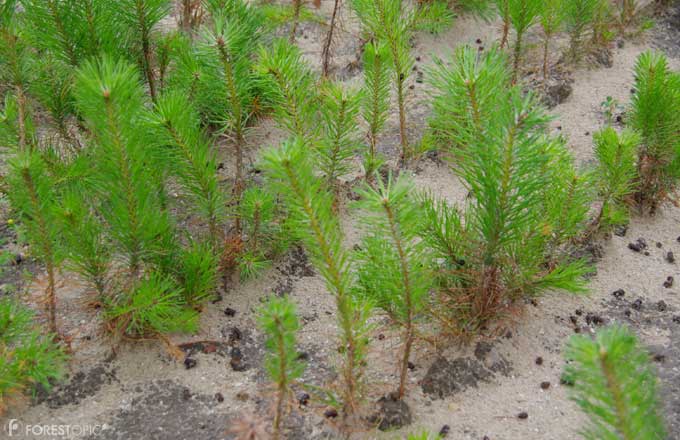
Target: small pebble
523,415
189,363
411,365
668,283
219,397
229,312
670,257
637,304
619,293
331,413
444,431
539,361
661,306
545,385
303,398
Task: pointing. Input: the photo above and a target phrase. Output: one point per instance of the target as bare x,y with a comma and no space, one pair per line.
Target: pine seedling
391,23
140,18
278,320
27,358
153,307
34,196
434,17
568,196
339,113
109,97
580,15
53,87
375,100
393,273
311,206
615,386
198,273
523,14
655,114
261,231
86,249
628,10
16,70
226,50
177,124
602,23
293,88
552,20
504,159
616,174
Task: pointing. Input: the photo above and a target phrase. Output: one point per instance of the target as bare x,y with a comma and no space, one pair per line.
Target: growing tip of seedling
106,93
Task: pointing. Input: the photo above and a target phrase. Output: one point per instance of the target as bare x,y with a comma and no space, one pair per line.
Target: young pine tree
616,174
311,206
140,18
339,111
27,357
293,86
656,116
503,8
375,100
262,230
392,267
504,157
615,385
87,251
278,320
551,19
16,71
110,98
391,22
226,49
523,14
33,195
176,124
580,15
154,306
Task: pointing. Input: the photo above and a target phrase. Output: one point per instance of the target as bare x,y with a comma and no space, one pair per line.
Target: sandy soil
142,392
